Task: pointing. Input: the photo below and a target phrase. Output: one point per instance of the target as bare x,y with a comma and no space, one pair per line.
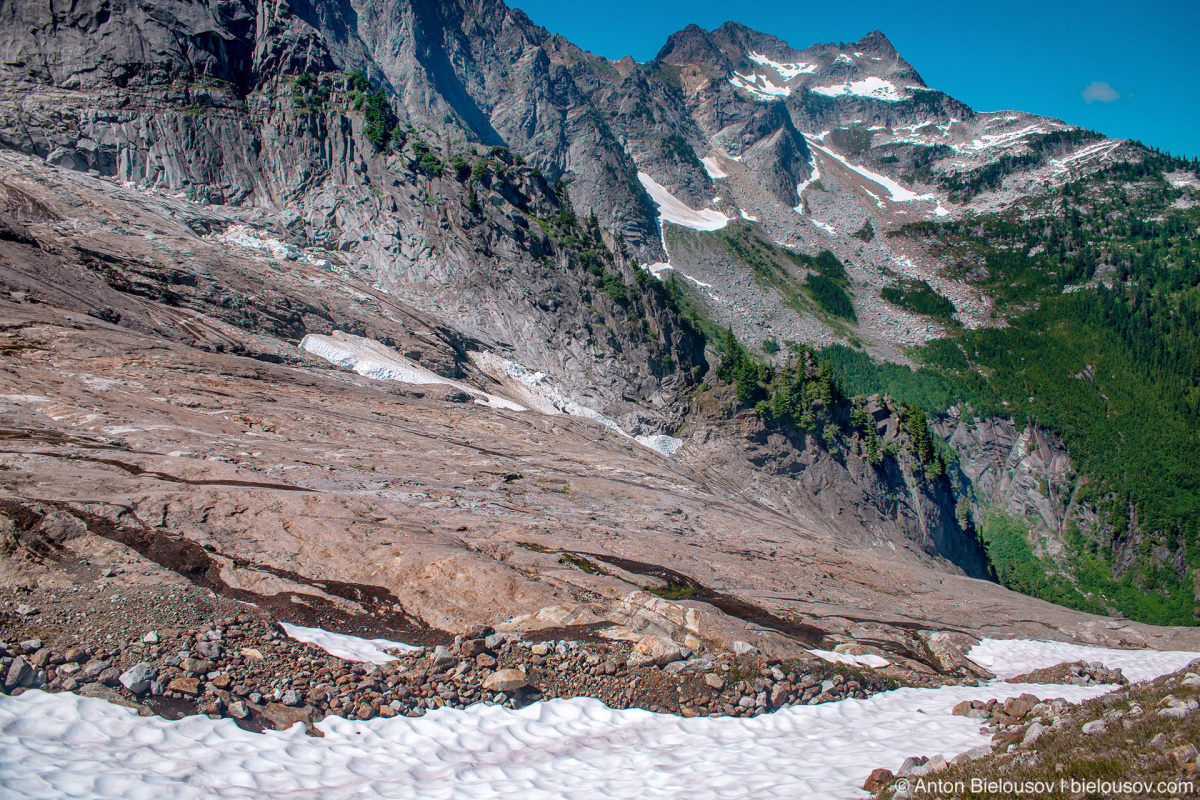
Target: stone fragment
188,686
1017,707
281,717
973,754
878,779
1182,755
479,632
195,666
714,681
94,668
505,680
910,766
654,651
472,647
150,638
138,677
110,677
1095,727
19,671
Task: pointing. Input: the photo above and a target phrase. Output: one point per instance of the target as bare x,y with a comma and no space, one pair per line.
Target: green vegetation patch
920,298
830,297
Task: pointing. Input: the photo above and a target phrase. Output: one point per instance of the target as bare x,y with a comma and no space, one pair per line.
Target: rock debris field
238,662
214,698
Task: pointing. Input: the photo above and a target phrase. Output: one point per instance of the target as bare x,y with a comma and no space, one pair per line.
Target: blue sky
1139,58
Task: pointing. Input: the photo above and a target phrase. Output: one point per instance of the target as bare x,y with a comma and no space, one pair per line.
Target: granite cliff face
357,294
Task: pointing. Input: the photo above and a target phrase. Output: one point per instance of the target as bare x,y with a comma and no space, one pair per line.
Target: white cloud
1100,91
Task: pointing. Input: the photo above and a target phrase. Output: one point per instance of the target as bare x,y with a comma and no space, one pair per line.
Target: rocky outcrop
826,472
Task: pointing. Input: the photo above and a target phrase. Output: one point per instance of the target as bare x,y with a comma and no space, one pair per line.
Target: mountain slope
486,208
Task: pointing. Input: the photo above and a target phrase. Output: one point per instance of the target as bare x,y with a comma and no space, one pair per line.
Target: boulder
137,678
1182,755
19,673
655,651
281,717
878,779
473,647
947,652
505,680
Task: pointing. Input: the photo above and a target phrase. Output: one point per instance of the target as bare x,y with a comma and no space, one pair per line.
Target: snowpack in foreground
63,745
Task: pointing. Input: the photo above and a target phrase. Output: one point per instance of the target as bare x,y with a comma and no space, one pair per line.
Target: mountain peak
876,43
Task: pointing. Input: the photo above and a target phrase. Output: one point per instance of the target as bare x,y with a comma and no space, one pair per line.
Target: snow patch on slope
538,391
371,359
350,648
800,187
671,209
759,85
661,267
713,168
867,660
786,71
245,236
64,745
898,193
1008,658
873,87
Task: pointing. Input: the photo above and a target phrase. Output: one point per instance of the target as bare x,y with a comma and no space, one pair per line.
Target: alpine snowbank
350,648
371,359
672,209
64,745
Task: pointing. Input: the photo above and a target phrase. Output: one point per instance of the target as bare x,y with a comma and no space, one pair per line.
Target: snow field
759,85
545,397
898,193
868,660
63,745
371,359
1008,658
786,71
374,360
659,268
671,209
713,168
871,86
349,648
